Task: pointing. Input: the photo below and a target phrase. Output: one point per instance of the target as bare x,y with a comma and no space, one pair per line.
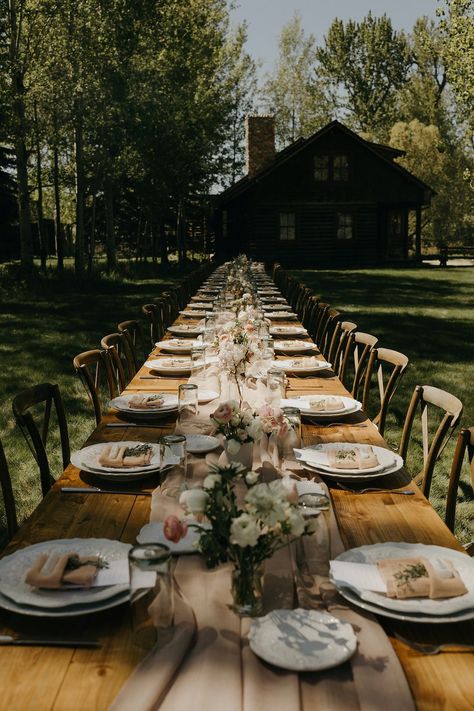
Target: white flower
269,502
211,480
233,446
194,500
296,521
244,531
251,478
254,429
235,420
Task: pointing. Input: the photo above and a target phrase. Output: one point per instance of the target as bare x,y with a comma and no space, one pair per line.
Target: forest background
120,118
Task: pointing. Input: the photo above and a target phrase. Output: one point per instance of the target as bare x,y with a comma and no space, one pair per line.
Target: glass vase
247,589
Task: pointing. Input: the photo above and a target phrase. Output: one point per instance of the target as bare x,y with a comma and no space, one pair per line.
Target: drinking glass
276,385
151,593
292,439
173,463
187,400
198,365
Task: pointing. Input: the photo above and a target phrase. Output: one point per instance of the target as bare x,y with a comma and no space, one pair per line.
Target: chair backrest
8,498
44,395
427,397
319,320
389,367
134,335
154,314
117,348
339,342
331,319
464,444
356,354
93,367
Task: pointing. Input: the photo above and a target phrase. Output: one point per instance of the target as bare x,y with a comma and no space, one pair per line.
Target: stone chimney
259,142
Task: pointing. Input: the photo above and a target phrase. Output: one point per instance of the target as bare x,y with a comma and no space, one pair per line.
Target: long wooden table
45,678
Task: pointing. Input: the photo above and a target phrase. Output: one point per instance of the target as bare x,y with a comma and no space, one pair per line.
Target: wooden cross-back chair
339,341
47,396
133,334
121,360
309,313
354,360
8,498
465,445
389,367
428,397
318,321
95,371
331,318
154,316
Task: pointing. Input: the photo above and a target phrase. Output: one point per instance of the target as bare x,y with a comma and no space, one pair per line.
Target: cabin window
341,168
287,226
345,225
321,168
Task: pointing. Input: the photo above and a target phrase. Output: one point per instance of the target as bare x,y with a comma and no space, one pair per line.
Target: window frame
287,227
331,159
345,214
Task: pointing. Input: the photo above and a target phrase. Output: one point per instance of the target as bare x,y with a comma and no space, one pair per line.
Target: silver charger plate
302,640
13,569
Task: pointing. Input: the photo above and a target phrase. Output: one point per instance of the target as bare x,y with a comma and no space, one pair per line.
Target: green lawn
44,325
428,314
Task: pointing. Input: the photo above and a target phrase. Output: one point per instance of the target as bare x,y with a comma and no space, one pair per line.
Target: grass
45,323
428,314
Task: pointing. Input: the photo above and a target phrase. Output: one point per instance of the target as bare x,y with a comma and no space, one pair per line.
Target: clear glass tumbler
198,361
276,385
151,594
173,463
187,401
292,439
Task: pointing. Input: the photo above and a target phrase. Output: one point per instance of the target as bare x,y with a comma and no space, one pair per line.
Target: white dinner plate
87,460
463,563
288,331
186,330
13,569
302,366
197,305
273,300
197,313
302,640
277,307
122,403
314,457
303,402
293,346
178,345
280,316
170,366
201,444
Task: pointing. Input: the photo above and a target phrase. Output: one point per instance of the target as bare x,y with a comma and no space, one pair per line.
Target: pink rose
174,529
283,429
223,414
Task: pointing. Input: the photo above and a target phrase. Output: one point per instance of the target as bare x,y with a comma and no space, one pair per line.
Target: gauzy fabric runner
216,670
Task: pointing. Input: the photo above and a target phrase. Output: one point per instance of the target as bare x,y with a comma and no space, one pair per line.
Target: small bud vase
247,589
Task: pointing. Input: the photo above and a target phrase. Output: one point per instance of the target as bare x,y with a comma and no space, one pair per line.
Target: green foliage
458,26
366,63
292,92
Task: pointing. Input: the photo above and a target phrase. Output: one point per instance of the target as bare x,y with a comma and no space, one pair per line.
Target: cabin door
396,232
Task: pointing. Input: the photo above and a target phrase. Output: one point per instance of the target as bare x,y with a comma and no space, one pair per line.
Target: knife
8,640
132,424
96,490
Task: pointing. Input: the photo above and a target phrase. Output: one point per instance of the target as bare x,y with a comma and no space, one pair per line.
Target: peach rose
223,414
174,529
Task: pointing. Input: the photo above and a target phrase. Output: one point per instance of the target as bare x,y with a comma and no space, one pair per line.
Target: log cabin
330,199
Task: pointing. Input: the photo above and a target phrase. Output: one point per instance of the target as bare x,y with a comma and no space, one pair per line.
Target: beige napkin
144,402
48,571
114,455
147,686
417,577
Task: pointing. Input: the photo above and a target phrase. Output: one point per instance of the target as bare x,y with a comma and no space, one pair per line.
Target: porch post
418,234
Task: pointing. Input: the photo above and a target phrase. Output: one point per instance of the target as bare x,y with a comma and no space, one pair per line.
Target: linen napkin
419,577
120,457
144,402
50,571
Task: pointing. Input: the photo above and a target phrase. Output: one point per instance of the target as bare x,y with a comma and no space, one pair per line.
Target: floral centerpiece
239,426
237,346
249,521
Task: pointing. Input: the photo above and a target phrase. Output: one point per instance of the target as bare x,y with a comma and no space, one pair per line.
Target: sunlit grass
428,314
45,323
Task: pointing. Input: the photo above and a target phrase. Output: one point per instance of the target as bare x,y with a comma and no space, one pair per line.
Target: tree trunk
109,225
79,261
39,187
58,234
163,244
21,154
92,237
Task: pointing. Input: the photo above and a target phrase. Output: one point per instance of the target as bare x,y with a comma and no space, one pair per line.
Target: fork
430,649
336,424
403,492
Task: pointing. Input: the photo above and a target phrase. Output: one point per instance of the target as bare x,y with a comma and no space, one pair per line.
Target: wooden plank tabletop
58,679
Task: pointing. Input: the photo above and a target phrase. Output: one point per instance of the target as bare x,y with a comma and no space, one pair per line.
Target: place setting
145,406
288,331
323,407
301,366
349,462
187,330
